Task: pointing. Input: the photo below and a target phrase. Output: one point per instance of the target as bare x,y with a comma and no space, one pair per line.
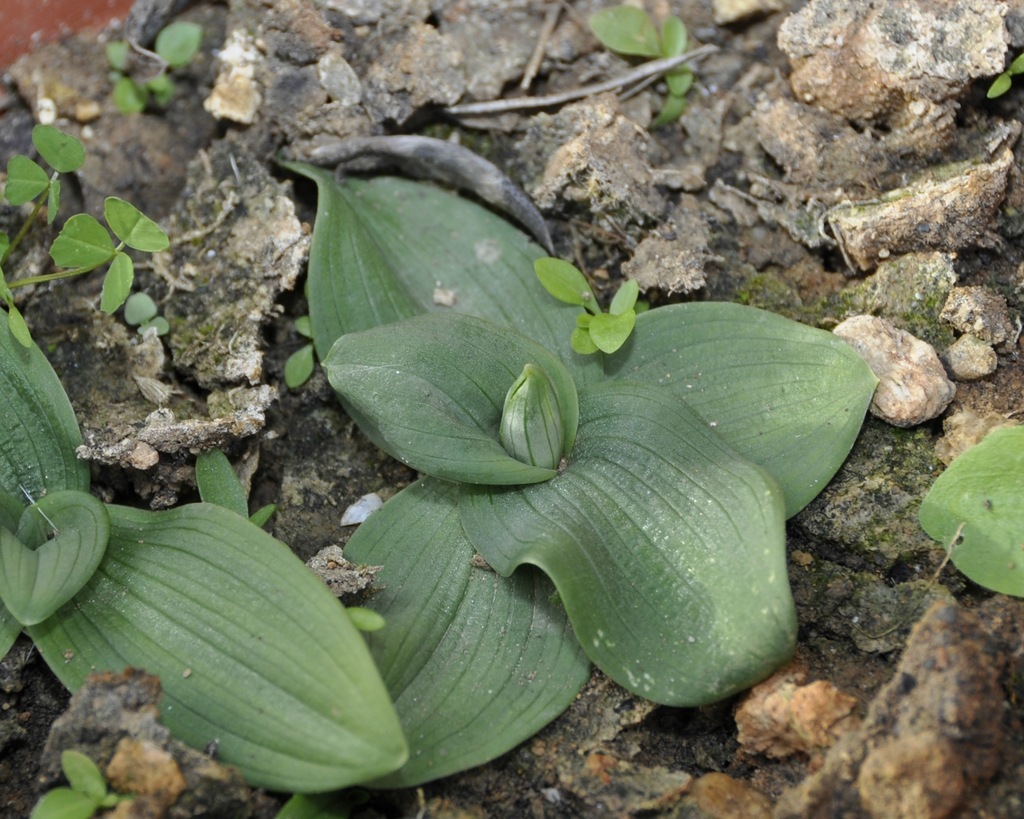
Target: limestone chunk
969,358
913,387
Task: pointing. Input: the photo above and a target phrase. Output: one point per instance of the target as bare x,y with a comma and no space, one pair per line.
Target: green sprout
86,795
140,311
595,330
1001,84
175,46
630,31
299,366
83,244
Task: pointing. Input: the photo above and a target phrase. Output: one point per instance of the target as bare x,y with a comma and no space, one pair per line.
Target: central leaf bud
531,421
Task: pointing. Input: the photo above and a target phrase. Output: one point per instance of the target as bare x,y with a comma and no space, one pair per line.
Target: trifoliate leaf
62,152
25,180
83,242
133,227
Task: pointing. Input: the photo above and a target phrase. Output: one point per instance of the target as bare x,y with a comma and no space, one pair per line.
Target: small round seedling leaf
25,180
117,284
161,88
158,324
674,38
680,81
64,803
1017,66
981,492
999,86
129,96
117,55
133,227
139,308
304,327
581,341
365,619
625,298
61,151
83,242
627,30
179,42
83,775
562,280
299,367
610,332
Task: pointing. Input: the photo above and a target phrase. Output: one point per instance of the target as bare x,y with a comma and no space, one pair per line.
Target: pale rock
969,358
913,387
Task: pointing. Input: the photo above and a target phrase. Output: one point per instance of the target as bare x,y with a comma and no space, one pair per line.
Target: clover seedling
140,311
1001,84
175,46
629,30
86,795
83,244
594,330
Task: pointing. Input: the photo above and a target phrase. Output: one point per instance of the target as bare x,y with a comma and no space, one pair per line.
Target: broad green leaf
624,298
672,110
10,628
609,332
129,96
667,548
11,510
139,308
299,367
783,395
83,775
133,227
475,663
251,648
35,582
117,284
83,242
179,42
383,248
218,483
64,803
627,30
25,180
563,281
430,391
982,491
673,37
62,152
38,430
